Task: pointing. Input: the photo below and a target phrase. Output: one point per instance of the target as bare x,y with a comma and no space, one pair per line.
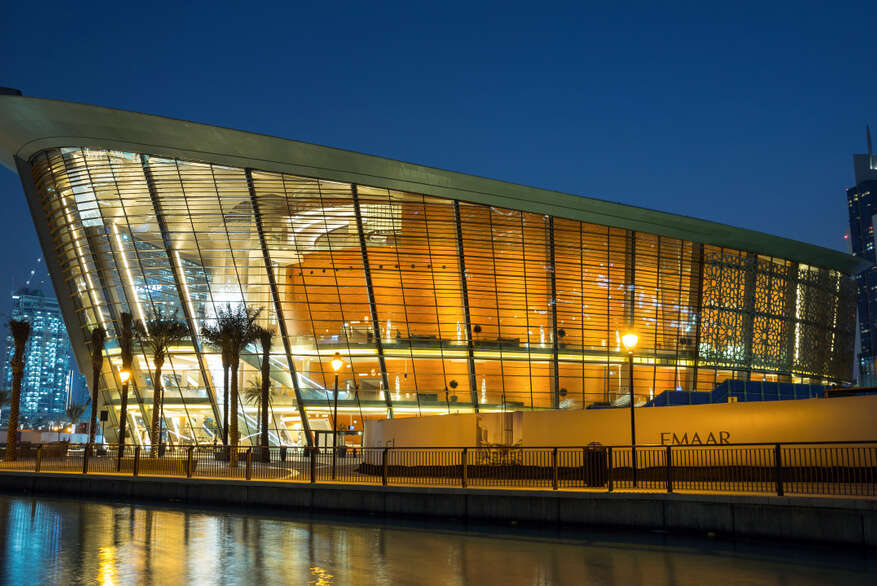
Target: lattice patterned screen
802,318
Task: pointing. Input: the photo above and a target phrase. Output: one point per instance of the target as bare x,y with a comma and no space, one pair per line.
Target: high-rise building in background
51,378
862,201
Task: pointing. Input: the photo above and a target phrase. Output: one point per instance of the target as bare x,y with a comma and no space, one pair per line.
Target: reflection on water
60,541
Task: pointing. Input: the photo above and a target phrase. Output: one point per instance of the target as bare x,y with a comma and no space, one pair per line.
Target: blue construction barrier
743,391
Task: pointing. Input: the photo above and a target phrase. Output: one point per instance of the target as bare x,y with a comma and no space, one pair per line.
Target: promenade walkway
835,470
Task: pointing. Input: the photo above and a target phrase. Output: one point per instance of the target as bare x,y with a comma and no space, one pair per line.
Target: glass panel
140,234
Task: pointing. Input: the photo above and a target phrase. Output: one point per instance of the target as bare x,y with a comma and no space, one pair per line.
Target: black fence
830,469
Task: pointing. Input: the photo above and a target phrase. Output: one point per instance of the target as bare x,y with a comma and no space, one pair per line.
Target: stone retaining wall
838,520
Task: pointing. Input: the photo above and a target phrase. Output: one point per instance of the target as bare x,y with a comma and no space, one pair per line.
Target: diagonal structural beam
696,294
464,286
555,363
278,309
376,326
176,270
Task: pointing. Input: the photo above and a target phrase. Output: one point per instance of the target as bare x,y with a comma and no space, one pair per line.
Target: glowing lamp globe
629,341
337,363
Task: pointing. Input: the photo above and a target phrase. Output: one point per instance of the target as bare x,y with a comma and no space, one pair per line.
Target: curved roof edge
29,125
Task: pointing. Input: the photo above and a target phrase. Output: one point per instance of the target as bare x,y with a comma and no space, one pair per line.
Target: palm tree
253,395
20,333
126,335
98,338
159,334
220,335
242,328
75,411
265,336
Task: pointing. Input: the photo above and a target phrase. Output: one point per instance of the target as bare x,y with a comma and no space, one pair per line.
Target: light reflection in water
66,541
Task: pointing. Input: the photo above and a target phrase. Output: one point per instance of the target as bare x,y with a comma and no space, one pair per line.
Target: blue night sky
742,113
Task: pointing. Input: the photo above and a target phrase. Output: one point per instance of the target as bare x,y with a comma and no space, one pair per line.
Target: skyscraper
862,202
51,378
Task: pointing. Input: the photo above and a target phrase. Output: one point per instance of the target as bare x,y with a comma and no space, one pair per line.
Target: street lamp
124,376
337,363
629,341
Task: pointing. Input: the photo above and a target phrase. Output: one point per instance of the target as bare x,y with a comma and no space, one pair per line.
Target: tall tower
51,379
862,203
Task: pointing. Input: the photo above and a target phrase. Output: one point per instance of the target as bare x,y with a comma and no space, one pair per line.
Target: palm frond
160,332
75,411
233,327
20,330
98,338
252,394
265,336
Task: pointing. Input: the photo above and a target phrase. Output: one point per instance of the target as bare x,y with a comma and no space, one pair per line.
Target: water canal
56,541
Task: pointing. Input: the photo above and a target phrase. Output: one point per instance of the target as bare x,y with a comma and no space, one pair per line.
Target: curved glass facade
436,305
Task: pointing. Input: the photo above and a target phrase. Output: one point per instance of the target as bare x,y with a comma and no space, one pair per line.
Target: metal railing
828,469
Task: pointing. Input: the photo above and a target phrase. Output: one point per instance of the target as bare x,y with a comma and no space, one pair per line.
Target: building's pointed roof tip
868,137
29,126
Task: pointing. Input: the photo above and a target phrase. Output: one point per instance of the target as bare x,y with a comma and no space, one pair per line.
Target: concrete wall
810,420
846,521
44,437
458,430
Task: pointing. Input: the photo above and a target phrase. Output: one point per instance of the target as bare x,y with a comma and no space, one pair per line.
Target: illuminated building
862,202
442,292
51,380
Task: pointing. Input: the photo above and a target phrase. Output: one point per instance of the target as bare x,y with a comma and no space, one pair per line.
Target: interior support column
278,309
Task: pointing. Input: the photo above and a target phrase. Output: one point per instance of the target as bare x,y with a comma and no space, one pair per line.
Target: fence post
85,453
669,469
778,465
385,464
189,461
136,469
313,454
554,468
39,459
609,466
464,467
250,463
633,465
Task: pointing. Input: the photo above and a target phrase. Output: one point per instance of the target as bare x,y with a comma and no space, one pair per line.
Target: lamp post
124,376
629,341
337,363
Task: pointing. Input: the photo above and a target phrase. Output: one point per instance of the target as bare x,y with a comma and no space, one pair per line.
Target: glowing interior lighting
83,264
128,274
188,297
